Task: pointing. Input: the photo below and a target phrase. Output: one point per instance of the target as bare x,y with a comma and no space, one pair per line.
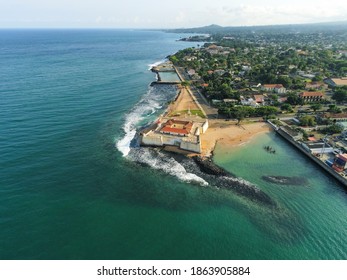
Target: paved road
212,113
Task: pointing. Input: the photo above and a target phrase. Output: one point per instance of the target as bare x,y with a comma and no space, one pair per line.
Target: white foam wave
147,106
241,181
165,163
156,63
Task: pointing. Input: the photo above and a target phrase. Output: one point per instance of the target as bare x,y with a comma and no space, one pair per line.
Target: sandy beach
228,134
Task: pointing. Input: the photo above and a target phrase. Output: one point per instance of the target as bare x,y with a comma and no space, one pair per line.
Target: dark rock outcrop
206,165
284,180
223,179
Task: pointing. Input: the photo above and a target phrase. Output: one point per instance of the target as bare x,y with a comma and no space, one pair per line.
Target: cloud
279,14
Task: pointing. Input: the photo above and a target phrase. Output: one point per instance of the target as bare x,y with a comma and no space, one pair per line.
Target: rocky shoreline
217,176
284,180
227,180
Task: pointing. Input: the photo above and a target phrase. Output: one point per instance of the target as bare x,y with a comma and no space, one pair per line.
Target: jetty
166,74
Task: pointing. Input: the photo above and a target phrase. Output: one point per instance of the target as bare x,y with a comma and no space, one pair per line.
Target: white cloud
165,14
280,14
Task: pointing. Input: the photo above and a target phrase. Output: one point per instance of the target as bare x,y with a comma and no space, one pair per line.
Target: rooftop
273,86
340,81
311,94
259,98
177,127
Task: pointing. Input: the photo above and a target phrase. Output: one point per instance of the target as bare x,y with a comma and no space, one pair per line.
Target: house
189,58
277,88
213,49
306,75
341,117
249,102
229,100
336,82
342,53
315,85
191,72
282,99
309,96
259,98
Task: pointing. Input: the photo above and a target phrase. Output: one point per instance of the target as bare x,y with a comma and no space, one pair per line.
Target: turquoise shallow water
169,77
311,218
70,104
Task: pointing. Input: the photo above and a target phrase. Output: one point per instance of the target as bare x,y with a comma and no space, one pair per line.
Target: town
297,81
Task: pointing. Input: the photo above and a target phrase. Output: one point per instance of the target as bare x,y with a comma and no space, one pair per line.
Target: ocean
75,185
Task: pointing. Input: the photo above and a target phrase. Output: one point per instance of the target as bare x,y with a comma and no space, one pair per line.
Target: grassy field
192,112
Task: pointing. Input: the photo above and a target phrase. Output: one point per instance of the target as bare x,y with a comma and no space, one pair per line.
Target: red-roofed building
176,127
259,98
309,96
278,88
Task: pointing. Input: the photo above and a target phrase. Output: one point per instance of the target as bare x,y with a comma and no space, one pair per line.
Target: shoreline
228,135
221,132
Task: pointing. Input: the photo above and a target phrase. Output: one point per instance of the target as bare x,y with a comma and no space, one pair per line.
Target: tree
294,99
334,128
334,109
225,110
265,111
174,59
185,83
241,112
286,107
307,121
340,94
316,107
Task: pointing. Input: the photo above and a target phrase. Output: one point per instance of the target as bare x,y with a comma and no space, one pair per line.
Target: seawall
326,168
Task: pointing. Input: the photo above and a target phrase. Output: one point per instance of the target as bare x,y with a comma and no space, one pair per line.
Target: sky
165,13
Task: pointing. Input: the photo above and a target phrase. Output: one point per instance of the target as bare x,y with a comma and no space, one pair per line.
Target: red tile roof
274,86
259,98
311,94
183,129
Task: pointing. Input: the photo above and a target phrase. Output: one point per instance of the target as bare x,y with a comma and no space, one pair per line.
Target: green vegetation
192,112
185,83
333,129
287,107
340,94
316,107
307,121
233,66
241,112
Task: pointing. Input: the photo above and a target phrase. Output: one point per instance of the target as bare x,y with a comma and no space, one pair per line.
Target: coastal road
212,113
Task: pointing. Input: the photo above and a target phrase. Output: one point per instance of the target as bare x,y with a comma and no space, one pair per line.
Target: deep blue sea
72,186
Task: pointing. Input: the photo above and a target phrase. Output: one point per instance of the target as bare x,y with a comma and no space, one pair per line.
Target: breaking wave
156,63
140,115
151,105
163,162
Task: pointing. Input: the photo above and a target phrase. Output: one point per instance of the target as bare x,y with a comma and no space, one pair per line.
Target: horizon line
168,28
